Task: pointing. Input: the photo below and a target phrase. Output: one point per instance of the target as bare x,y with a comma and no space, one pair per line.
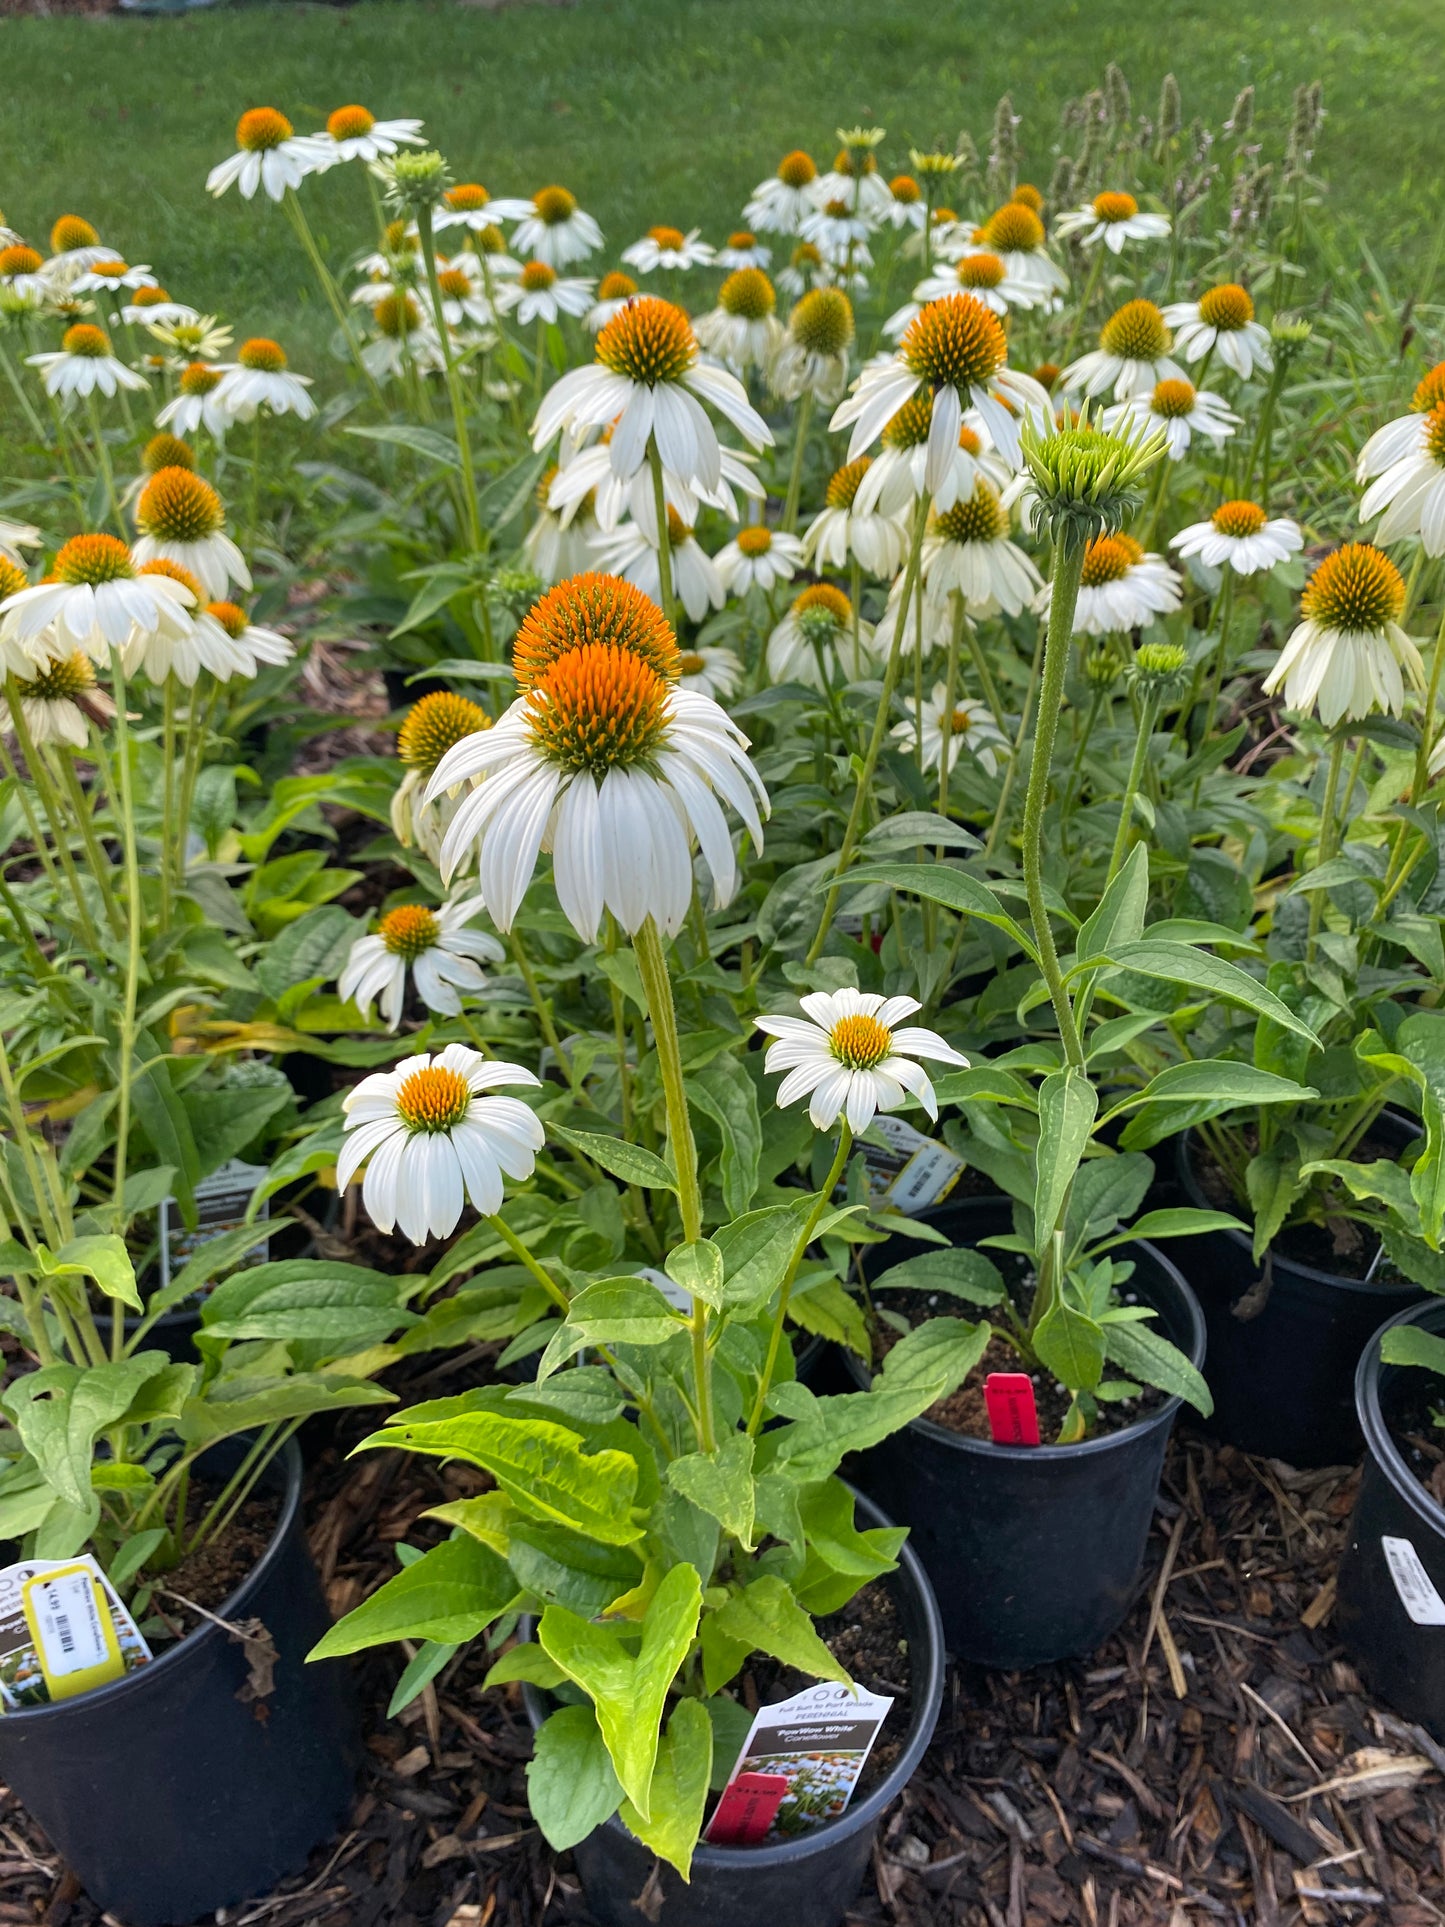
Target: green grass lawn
657,110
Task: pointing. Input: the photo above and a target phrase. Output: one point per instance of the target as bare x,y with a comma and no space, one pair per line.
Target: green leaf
810,1448
766,1618
162,1116
449,1595
698,1268
561,1568
721,1484
571,1787
106,1260
246,1403
1119,917
1178,1221
1068,1104
60,1411
528,1662
1408,1345
1070,1346
1382,1180
756,1250
429,1659
1145,1354
345,1306
629,1693
956,1272
539,1465
824,1309
429,442
679,1788
1272,1179
225,1123
1216,1080
724,1092
955,889
624,1311
315,946
1191,969
840,1557
630,1162
938,1355
216,1255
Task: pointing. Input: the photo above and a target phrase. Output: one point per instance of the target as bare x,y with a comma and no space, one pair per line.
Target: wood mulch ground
1217,1760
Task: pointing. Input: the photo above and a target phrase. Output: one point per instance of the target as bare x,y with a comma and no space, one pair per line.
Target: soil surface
209,1576
1414,1414
1341,1246
1217,1760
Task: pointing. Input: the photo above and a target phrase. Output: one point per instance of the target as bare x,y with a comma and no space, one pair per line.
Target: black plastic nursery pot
808,1881
1283,1371
1035,1551
166,1793
1390,1598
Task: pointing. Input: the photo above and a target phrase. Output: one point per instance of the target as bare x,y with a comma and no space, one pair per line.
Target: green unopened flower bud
516,589
933,167
1288,337
1159,666
414,181
1087,481
1104,663
864,137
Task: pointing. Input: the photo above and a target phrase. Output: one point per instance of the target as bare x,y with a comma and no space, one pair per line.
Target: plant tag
1013,1417
1416,1588
816,1743
908,1171
678,1296
222,1201
747,1809
83,1609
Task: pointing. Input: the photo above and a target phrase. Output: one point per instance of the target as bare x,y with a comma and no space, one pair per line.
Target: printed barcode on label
64,1634
68,1625
1415,1587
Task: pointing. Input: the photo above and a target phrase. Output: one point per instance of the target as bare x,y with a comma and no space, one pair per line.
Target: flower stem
652,964
950,694
875,742
1068,571
1148,710
1010,775
454,379
133,921
1328,827
795,473
805,1238
520,1252
664,537
102,457
329,288
59,828
96,857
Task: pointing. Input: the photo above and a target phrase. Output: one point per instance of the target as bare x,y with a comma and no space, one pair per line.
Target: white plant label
222,1201
800,1763
68,1628
914,1171
1416,1588
678,1296
62,1635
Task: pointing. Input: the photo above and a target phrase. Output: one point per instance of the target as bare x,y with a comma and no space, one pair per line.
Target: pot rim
288,1459
1369,1378
1083,1448
1338,1281
927,1693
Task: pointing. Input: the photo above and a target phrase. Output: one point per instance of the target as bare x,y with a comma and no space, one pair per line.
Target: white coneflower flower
550,227
814,642
849,1056
559,544
812,354
588,474
269,155
805,268
1122,587
467,205
58,699
153,303
967,548
1241,535
189,336
444,957
743,329
842,530
1349,656
22,276
1221,319
1113,218
895,480
779,204
669,247
980,274
614,291
854,178
431,1136
357,135
758,558
631,551
1180,410
744,250
405,337
180,517
1132,356
647,380
839,232
188,641
606,762
15,536
1401,437
259,378
464,293
197,403
711,671
1408,493
96,597
956,348
84,365
1016,235
927,627
433,725
965,726
907,208
251,643
110,277
74,246
540,294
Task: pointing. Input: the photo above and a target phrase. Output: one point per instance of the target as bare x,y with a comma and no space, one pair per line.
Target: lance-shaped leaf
724,1092
955,889
571,1787
630,1162
542,1468
957,1272
679,1788
1144,1353
765,1617
106,1260
449,1595
1068,1104
629,1692
1191,969
721,1484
